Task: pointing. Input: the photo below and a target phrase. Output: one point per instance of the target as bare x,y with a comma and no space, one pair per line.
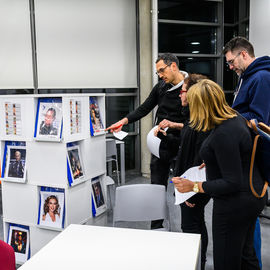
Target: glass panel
229,98
231,11
229,78
205,66
205,11
117,108
178,38
229,33
129,152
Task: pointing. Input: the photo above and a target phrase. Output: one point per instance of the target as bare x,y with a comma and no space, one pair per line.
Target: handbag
260,153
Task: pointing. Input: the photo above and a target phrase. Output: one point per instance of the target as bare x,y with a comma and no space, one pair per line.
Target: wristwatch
196,187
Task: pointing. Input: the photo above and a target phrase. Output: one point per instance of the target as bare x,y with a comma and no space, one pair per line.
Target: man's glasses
230,62
161,70
182,91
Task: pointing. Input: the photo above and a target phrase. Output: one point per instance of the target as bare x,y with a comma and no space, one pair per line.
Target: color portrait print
16,169
98,195
95,115
18,238
75,163
51,211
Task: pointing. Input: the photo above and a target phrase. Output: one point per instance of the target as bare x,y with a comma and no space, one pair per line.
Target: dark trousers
193,221
234,219
160,170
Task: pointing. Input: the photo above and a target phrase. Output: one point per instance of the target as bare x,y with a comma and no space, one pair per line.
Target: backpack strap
252,165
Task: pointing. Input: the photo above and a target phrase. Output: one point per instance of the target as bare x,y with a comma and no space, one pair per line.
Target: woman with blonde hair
226,153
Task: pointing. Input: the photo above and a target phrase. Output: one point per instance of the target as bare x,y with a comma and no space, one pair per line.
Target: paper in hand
194,174
120,135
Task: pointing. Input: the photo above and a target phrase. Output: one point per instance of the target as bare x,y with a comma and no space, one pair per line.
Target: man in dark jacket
253,90
252,95
165,94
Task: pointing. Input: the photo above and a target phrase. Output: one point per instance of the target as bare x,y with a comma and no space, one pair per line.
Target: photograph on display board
15,163
98,195
18,238
13,118
49,119
96,124
51,209
75,116
75,164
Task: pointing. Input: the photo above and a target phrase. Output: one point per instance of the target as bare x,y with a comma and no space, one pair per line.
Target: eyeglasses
182,91
230,62
161,70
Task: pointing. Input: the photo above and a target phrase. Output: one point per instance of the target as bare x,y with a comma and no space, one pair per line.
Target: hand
202,166
116,127
158,129
191,205
165,123
183,185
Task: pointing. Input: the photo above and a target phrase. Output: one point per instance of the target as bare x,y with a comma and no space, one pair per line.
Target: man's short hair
168,58
239,44
53,111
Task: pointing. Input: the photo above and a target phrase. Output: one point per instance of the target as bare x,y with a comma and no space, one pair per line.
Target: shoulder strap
251,169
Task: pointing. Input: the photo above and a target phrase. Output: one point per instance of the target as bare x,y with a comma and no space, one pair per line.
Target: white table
84,247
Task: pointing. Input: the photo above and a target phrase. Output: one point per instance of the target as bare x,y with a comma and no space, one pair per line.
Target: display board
47,169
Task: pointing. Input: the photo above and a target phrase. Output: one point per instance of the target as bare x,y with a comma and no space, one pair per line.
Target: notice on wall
13,118
75,116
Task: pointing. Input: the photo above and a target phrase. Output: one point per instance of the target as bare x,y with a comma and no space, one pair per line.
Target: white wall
86,43
259,26
15,45
80,44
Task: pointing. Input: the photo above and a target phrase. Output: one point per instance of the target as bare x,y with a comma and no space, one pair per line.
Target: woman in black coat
226,153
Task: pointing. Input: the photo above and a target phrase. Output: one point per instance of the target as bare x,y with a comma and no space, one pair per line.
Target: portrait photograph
51,209
75,164
49,120
18,238
95,115
98,195
16,165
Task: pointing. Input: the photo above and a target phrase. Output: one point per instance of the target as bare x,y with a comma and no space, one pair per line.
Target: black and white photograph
98,195
75,164
18,238
51,209
49,122
16,165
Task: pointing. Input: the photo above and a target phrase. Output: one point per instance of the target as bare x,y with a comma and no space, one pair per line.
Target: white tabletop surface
93,247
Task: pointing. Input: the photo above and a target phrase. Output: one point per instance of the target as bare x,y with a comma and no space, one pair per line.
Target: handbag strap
252,166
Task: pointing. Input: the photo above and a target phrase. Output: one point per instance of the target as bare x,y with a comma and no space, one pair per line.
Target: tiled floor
175,221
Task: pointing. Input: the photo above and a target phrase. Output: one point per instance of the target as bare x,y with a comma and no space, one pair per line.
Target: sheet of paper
153,142
120,135
194,174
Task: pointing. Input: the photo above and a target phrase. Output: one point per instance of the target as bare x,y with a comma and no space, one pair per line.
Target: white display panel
258,23
15,46
20,203
86,43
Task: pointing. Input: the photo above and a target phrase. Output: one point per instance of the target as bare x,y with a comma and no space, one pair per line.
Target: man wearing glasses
165,95
253,90
252,95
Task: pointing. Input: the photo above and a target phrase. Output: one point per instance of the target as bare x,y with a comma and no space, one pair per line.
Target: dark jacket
169,104
253,99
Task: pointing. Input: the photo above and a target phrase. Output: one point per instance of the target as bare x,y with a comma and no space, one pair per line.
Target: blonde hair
207,105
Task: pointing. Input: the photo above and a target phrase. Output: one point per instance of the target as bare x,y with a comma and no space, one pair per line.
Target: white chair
140,202
111,156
